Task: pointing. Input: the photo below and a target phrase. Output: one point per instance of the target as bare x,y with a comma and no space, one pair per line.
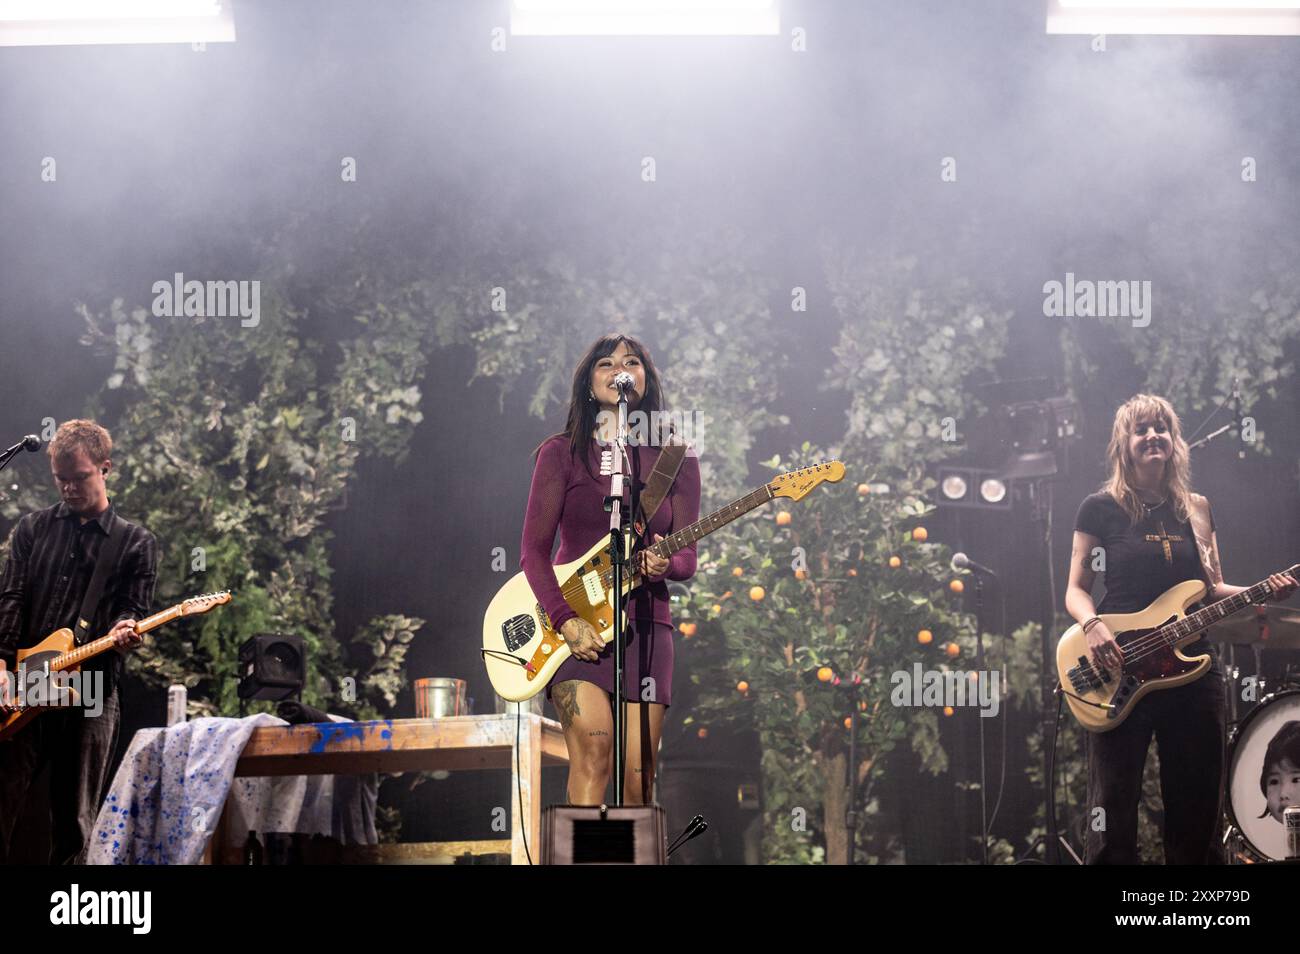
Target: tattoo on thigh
565,697
598,732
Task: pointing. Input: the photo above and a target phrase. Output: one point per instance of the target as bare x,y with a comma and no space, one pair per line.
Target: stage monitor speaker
271,666
601,835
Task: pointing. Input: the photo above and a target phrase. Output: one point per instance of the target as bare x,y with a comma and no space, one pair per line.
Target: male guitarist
53,556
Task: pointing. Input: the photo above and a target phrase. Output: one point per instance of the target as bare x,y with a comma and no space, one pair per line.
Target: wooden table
422,745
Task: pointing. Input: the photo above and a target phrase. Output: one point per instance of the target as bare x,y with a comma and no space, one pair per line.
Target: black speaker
271,666
601,835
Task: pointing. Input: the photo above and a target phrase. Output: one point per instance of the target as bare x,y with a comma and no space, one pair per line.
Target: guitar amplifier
601,835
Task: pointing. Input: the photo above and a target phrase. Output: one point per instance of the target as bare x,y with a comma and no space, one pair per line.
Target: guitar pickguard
517,631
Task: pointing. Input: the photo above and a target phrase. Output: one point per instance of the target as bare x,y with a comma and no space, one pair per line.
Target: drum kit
1263,714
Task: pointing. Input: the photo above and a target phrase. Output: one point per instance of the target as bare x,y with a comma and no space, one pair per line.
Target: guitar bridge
1085,678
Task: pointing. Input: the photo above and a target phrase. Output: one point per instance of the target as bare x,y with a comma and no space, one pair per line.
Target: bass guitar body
1100,698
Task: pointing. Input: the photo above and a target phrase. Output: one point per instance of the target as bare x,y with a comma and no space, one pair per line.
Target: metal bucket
437,698
535,705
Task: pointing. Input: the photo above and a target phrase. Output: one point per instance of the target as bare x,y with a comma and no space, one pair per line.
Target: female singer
567,495
1141,523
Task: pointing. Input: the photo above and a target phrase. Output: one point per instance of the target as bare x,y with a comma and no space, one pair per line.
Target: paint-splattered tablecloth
167,796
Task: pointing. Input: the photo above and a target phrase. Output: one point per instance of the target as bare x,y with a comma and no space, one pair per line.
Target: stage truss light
90,22
953,487
1182,17
645,17
993,490
972,487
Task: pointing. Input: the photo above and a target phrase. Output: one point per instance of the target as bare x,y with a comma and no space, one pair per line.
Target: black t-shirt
1142,560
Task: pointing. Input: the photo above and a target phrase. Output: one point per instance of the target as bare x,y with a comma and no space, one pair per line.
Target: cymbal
1272,626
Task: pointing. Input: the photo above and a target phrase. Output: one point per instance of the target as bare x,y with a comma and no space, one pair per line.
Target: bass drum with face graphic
1264,774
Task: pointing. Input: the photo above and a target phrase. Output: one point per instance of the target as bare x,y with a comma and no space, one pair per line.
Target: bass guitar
1150,641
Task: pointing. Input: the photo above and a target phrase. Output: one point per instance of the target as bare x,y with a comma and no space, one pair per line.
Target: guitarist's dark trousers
1187,723
78,750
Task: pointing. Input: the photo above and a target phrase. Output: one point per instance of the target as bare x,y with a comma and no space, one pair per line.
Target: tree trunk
834,802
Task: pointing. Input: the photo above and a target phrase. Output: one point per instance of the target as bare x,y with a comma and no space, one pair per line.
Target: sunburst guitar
58,652
1150,641
520,648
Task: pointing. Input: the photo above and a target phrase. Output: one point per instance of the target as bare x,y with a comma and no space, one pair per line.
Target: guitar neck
1203,619
96,647
701,528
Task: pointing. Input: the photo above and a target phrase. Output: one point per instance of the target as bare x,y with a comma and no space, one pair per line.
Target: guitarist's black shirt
51,558
1138,566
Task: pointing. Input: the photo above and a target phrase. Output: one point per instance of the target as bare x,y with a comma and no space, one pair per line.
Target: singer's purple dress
565,497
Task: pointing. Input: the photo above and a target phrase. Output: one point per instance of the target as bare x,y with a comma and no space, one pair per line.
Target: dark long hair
583,408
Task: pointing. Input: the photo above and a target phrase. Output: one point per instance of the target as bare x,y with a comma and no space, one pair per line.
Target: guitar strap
108,554
659,483
1200,520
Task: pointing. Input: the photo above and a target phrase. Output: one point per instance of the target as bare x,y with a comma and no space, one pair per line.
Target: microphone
30,443
961,561
624,382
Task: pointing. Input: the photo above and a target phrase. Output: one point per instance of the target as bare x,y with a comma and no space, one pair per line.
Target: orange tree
786,609
847,581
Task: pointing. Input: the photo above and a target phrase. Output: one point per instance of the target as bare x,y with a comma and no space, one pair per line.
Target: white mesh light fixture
645,17
81,22
1186,17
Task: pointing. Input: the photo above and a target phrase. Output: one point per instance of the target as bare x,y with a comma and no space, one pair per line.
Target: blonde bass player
1146,531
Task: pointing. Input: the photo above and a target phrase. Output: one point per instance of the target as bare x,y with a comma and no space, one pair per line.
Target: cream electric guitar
1150,641
522,650
58,652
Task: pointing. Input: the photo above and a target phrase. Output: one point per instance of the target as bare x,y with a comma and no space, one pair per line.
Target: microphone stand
618,561
1235,400
30,443
979,665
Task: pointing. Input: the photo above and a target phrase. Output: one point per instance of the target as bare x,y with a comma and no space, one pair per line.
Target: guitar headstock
201,604
797,484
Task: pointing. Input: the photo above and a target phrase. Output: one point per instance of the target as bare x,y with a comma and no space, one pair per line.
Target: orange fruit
738,571
742,686
948,710
726,594
717,607
702,732
825,674
919,534
853,571
925,637
953,649
756,593
783,518
848,722
895,562
864,489
801,574
957,586
687,629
